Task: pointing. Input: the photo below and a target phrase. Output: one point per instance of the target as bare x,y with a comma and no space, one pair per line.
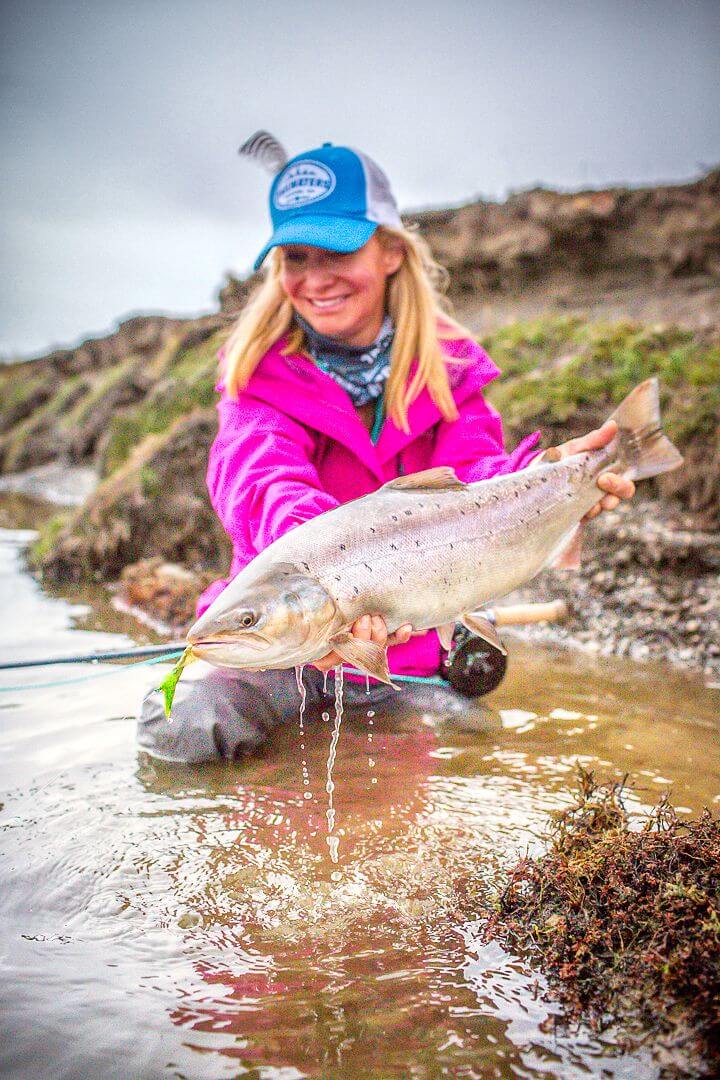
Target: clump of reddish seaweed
625,924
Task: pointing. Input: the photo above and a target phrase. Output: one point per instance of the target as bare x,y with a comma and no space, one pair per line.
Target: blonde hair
414,302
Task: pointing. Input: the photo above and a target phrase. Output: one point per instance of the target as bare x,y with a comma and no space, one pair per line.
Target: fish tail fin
644,450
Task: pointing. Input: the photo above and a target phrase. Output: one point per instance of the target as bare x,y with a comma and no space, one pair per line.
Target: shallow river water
161,920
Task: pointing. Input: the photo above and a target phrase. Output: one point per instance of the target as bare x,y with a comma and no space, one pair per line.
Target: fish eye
247,619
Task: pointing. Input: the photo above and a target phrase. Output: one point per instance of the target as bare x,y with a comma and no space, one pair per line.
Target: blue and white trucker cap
333,198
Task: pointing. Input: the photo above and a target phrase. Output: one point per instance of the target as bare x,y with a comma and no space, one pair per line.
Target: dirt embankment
647,254
138,405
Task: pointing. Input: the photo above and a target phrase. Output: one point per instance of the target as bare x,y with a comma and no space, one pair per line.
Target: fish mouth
255,642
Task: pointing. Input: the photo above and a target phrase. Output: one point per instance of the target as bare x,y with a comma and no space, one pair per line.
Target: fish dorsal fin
443,478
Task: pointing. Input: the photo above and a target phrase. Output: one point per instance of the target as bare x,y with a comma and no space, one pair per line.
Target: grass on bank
186,383
552,368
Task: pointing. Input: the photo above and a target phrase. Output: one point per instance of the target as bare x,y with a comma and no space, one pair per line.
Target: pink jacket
293,446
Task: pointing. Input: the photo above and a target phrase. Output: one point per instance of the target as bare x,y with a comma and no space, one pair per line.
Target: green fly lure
169,683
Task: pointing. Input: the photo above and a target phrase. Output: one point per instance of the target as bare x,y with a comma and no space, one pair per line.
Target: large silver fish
424,549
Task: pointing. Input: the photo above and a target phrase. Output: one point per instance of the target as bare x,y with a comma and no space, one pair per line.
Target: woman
342,373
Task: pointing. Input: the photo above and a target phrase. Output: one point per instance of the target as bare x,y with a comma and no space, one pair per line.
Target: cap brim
323,231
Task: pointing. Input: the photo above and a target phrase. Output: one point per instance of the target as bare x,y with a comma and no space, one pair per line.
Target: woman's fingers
617,487
615,484
379,630
600,437
594,440
401,635
330,660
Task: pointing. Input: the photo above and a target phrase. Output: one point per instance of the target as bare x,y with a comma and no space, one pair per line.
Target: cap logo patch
304,182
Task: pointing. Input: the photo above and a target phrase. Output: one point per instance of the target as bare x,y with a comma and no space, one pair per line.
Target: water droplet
307,794
336,876
371,712
303,695
332,843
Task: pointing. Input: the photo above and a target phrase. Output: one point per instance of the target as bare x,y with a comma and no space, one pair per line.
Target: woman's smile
327,303
341,294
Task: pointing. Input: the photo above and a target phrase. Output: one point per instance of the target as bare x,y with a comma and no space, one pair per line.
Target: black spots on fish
462,513
417,543
369,567
393,517
478,502
372,530
451,547
307,566
394,547
516,493
496,498
356,590
438,506
342,547
408,513
544,479
337,577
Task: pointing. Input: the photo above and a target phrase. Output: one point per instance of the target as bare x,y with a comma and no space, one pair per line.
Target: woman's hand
368,628
617,487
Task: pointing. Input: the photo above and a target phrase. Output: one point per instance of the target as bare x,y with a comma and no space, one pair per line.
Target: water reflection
190,916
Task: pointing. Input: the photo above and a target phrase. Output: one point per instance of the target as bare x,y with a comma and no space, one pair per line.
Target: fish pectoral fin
366,656
443,478
567,554
478,624
445,633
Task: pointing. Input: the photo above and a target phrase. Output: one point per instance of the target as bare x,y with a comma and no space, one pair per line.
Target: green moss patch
555,367
47,538
187,384
565,376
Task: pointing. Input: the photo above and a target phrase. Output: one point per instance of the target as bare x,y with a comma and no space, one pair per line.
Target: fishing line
427,680
92,658
93,675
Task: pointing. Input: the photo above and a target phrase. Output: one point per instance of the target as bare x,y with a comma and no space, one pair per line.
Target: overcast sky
121,187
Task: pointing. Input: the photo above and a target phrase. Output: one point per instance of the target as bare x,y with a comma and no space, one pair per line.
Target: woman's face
342,296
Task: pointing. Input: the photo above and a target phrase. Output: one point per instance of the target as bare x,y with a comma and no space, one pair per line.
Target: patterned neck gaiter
361,371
